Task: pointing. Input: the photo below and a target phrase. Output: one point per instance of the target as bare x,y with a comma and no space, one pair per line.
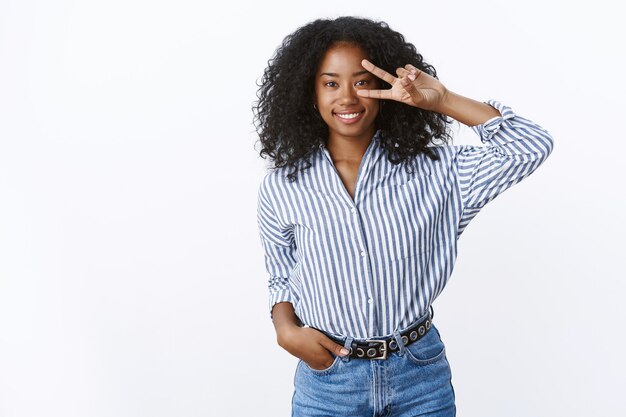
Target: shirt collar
373,152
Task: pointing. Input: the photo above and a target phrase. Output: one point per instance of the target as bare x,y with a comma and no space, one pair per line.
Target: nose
348,95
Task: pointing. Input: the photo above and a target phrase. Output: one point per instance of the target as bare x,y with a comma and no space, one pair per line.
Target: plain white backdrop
132,280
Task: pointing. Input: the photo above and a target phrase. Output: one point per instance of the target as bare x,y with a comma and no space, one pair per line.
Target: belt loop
401,347
348,345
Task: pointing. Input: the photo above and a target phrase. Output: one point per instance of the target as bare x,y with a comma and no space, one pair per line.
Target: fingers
379,72
335,348
332,350
406,76
324,365
414,71
407,83
402,72
381,94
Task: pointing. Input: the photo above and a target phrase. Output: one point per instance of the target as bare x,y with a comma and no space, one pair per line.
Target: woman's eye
333,84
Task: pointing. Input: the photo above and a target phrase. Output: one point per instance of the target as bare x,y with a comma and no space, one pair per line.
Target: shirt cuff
487,130
279,297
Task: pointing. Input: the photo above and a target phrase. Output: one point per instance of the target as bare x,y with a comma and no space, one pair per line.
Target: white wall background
130,265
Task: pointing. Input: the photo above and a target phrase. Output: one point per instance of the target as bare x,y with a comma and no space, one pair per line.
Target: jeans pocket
427,350
333,366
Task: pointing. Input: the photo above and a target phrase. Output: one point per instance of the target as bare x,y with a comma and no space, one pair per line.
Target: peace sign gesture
412,86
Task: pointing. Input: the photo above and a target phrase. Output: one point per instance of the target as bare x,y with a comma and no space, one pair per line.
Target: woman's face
337,80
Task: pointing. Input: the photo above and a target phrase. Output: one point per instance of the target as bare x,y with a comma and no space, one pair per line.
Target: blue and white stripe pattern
368,266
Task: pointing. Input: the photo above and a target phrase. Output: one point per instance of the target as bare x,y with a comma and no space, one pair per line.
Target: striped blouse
368,266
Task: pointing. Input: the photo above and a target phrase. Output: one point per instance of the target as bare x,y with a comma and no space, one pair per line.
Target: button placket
359,239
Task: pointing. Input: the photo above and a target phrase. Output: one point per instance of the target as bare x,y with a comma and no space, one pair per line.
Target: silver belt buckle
385,349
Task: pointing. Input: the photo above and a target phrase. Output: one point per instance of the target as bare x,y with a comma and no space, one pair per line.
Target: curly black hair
290,129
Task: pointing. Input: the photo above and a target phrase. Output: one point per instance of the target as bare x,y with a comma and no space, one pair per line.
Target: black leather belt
380,348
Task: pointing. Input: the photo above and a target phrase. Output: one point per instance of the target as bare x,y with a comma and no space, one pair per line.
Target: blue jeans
414,381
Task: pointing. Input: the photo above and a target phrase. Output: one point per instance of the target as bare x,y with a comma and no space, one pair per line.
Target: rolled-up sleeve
278,247
515,147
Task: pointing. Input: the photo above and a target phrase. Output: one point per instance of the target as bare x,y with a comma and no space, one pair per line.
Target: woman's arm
417,88
284,319
515,148
466,110
306,343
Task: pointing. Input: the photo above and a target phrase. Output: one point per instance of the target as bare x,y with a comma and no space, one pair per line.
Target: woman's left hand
412,86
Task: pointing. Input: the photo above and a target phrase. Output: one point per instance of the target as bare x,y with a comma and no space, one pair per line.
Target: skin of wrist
466,110
284,333
446,103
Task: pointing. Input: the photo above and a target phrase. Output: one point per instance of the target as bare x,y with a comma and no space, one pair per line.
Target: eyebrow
334,74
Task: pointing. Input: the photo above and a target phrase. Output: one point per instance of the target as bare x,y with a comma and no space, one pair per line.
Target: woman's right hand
310,345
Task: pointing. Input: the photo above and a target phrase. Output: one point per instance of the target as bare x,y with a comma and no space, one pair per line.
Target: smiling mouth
349,118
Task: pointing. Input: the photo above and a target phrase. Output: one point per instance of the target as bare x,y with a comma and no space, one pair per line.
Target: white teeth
348,116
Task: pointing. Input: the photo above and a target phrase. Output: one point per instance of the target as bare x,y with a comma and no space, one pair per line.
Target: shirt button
363,253
353,210
369,300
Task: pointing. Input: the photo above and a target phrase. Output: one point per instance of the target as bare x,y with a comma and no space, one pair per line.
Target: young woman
360,216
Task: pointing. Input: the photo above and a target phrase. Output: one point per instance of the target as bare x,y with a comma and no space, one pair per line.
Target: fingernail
412,77
344,351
